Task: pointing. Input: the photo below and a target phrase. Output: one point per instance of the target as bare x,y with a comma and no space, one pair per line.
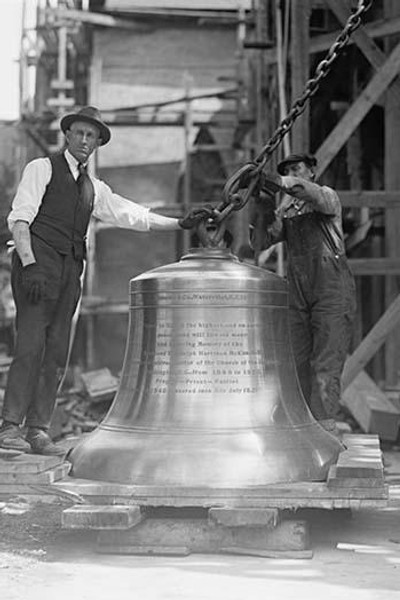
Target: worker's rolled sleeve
31,189
323,198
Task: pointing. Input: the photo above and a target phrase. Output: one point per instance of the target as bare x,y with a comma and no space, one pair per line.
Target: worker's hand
264,179
194,216
271,182
34,282
245,175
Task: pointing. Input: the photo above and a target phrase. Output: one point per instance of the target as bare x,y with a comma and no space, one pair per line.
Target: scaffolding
277,45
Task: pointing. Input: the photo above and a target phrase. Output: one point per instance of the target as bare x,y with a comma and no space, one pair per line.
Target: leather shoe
41,443
11,438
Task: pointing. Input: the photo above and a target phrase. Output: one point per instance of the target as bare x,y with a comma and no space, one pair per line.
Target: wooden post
261,75
371,343
187,175
300,70
392,217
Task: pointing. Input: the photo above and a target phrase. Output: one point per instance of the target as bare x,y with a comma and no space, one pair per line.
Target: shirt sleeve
117,210
30,191
323,198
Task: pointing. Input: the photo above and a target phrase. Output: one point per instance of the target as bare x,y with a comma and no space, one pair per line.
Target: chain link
232,200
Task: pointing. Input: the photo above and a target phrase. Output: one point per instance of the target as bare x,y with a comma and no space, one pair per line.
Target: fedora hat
91,115
307,159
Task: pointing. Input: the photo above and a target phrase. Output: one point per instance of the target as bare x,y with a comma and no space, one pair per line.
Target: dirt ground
356,555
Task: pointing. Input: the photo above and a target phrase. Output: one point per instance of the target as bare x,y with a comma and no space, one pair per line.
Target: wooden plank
283,554
353,482
371,343
29,463
392,217
285,495
249,517
300,69
353,117
364,440
320,43
370,407
94,18
49,476
100,385
90,516
147,550
375,266
198,535
369,199
359,467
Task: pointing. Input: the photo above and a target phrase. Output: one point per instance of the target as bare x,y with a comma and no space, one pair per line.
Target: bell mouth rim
218,253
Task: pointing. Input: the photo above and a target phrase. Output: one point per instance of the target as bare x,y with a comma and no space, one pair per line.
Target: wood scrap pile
81,409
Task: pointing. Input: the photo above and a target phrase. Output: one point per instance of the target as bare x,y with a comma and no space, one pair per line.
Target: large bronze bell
209,394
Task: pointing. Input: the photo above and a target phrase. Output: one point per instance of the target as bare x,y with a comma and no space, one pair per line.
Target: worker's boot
41,443
11,438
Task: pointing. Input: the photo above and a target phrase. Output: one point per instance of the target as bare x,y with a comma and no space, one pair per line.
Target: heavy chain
232,199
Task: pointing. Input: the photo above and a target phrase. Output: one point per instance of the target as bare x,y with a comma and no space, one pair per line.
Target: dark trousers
42,341
321,313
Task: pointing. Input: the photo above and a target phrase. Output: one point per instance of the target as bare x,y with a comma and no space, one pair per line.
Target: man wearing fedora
321,285
49,219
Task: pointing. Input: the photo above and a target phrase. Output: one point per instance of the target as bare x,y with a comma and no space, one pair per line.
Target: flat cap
308,159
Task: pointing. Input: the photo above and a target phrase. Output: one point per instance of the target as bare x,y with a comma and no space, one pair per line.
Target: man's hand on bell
34,282
195,216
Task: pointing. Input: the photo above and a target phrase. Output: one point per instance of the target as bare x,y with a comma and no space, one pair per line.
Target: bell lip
218,253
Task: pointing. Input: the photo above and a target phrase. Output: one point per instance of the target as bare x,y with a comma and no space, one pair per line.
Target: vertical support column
300,70
240,219
392,216
187,175
90,269
261,75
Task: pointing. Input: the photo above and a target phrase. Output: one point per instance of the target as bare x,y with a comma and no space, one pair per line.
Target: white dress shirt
108,206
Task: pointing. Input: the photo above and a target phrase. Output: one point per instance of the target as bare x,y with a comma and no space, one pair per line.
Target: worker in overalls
321,285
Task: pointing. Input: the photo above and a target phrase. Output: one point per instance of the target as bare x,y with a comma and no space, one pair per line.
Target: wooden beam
375,413
97,19
371,51
321,43
353,117
392,217
371,343
300,69
369,199
375,266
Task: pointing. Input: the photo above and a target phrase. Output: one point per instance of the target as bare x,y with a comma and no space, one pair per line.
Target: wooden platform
258,521
29,475
134,519
356,481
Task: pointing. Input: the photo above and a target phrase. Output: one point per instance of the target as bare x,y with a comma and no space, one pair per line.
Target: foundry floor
356,556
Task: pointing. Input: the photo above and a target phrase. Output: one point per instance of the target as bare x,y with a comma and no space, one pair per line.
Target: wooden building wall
144,162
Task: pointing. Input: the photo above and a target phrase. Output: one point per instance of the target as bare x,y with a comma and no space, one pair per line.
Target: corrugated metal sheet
209,5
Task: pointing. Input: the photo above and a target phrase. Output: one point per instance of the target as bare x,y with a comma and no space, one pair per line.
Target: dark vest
62,220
